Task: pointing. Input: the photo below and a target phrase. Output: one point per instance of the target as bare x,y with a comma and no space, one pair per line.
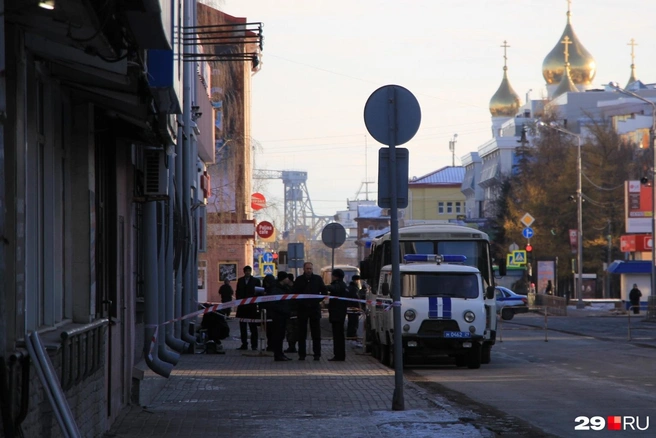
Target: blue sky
322,60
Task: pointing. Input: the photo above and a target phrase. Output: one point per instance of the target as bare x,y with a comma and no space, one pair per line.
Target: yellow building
437,195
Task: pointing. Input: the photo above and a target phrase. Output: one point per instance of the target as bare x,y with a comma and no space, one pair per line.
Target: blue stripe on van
446,310
432,307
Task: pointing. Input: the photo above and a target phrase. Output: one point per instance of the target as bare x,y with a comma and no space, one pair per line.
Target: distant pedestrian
634,298
292,323
226,292
309,310
245,289
549,289
354,289
337,314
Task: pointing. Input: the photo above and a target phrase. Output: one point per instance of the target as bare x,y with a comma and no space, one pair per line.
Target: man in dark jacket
354,315
278,312
226,293
309,310
337,314
634,298
245,289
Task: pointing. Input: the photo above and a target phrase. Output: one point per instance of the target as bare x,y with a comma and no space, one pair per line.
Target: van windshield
425,284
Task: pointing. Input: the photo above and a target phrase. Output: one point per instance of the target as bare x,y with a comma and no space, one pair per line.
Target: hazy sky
323,59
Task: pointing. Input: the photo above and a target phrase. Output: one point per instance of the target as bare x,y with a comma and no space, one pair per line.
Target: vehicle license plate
457,335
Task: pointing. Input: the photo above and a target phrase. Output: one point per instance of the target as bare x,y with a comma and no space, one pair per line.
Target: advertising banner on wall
546,273
637,206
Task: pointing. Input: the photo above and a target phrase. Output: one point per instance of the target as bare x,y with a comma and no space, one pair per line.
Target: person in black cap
245,289
309,310
337,314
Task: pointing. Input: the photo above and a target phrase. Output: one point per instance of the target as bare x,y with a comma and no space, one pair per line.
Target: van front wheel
486,354
474,357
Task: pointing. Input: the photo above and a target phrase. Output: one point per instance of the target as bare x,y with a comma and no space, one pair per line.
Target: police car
509,303
445,308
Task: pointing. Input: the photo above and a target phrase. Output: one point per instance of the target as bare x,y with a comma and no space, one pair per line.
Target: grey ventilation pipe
151,315
171,340
164,353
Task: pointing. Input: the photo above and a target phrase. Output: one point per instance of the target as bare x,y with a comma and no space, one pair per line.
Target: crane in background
300,218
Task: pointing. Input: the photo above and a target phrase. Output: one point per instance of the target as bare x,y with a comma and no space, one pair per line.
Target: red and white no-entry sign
264,229
258,201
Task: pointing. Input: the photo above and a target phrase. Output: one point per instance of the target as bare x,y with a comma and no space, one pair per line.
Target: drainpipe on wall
179,274
151,314
189,168
169,276
164,353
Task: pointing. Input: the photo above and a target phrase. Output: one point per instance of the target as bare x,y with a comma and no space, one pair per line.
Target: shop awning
630,267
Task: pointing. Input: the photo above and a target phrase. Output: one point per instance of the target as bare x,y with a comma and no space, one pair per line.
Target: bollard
263,330
546,311
500,322
629,313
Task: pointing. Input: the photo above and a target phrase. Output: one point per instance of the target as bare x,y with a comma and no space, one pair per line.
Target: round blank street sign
333,235
392,106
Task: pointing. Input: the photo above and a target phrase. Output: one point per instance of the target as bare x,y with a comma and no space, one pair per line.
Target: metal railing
557,306
82,352
651,308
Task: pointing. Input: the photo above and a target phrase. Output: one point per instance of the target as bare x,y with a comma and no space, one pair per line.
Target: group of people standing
290,318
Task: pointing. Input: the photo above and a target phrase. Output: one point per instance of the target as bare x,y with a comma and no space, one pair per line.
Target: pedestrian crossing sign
519,257
269,268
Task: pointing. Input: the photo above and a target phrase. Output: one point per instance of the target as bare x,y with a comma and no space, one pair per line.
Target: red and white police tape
256,300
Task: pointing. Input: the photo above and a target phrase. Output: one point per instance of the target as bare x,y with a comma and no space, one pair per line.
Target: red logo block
614,423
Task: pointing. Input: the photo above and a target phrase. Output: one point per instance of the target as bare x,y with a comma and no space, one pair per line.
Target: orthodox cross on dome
632,43
566,41
505,54
569,6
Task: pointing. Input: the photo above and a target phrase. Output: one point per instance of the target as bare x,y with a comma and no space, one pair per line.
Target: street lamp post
579,211
652,131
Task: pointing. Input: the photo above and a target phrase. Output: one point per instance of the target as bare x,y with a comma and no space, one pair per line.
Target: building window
449,207
440,208
46,215
458,207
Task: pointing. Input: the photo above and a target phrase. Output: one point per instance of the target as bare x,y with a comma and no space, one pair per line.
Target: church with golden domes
569,71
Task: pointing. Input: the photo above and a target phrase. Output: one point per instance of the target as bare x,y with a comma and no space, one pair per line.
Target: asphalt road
596,372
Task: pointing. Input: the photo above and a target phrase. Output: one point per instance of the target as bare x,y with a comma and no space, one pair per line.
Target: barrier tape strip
254,300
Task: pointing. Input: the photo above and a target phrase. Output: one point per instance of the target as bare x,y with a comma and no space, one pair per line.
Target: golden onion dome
583,67
566,84
505,102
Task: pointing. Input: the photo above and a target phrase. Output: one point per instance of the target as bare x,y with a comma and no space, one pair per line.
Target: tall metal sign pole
392,116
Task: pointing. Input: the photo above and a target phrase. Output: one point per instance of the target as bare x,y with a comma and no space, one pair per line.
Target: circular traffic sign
264,229
267,257
392,115
527,232
258,201
333,235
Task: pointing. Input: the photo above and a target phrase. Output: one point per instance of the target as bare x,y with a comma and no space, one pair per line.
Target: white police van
446,311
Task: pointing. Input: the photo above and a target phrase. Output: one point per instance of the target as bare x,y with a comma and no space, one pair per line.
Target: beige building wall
433,203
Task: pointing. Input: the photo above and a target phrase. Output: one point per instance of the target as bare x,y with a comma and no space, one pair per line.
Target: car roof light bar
438,258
